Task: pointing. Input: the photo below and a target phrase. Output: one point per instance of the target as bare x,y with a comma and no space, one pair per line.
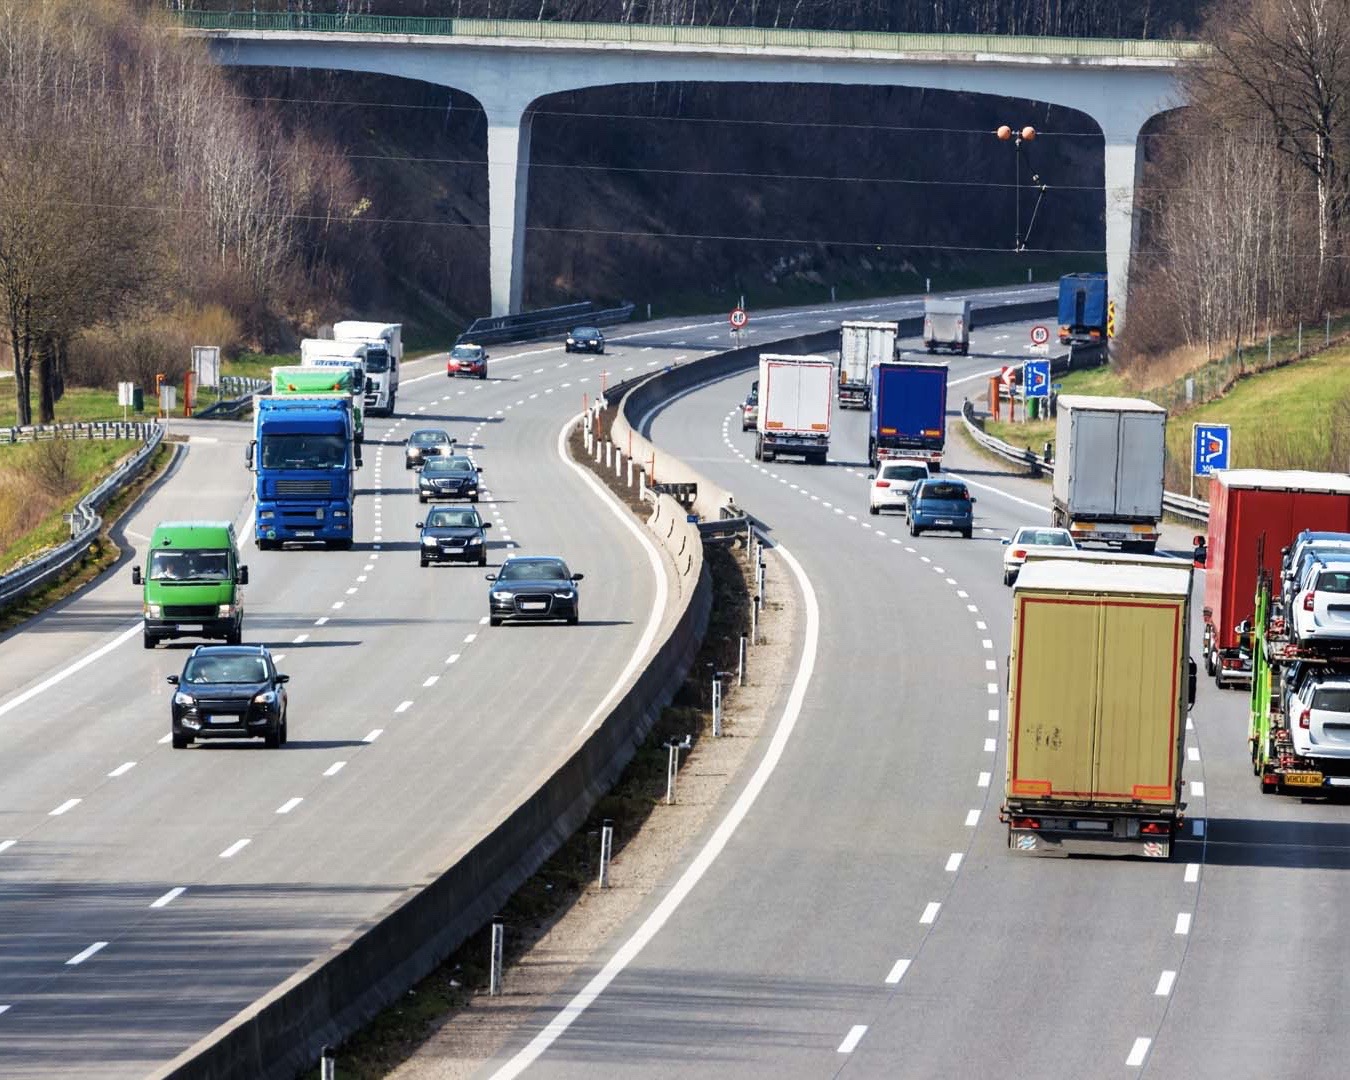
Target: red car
467,360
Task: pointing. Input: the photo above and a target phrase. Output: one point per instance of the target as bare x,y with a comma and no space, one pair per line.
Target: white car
1319,715
891,484
1321,606
1030,540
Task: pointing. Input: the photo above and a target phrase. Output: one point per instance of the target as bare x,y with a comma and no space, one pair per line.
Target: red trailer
1251,508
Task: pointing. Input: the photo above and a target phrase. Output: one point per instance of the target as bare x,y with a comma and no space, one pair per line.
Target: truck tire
148,640
266,545
1209,662
759,448
235,636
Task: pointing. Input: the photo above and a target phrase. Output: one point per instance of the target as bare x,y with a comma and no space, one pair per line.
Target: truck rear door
1139,465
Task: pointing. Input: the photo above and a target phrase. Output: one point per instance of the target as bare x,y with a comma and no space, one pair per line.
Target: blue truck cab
909,413
1082,309
305,457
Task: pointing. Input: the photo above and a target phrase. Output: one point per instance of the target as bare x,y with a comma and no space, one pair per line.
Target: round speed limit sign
1039,335
739,318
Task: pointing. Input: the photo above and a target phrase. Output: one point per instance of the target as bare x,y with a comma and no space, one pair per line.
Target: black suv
454,534
533,587
229,692
454,477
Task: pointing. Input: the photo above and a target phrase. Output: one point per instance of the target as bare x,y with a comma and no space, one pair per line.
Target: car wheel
473,498
482,559
424,562
483,374
494,620
1007,578
234,637
148,640
272,740
913,529
285,730
873,510
573,619
421,498
181,740
967,533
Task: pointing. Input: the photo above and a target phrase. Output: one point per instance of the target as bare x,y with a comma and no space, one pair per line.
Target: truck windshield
189,565
377,361
304,451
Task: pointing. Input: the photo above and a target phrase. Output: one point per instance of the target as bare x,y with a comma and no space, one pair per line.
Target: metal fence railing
730,36
85,526
92,429
528,325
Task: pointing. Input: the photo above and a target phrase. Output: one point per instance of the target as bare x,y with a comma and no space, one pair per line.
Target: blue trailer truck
1082,309
909,413
305,455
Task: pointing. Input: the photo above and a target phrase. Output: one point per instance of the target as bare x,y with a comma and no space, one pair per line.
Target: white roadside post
327,1064
495,968
606,851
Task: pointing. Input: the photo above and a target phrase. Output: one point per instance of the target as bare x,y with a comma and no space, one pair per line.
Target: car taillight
883,483
1154,828
1019,553
1026,823
1305,719
1308,601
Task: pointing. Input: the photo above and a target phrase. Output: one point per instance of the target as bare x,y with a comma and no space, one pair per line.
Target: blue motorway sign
1036,378
1212,445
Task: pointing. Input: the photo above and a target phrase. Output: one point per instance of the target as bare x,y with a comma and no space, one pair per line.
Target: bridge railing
732,36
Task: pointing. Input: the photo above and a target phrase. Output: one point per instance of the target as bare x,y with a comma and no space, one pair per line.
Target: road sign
739,318
1039,350
1036,378
206,365
1039,335
1210,451
125,391
1007,375
1110,318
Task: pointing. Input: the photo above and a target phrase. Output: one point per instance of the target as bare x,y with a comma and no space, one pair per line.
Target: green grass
1099,381
78,404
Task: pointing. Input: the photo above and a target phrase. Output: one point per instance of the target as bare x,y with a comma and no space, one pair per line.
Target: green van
192,580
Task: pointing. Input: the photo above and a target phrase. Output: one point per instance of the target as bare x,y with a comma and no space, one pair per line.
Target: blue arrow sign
1212,445
1036,378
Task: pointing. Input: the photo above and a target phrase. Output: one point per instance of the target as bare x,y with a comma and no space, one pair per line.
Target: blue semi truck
909,413
1082,309
305,455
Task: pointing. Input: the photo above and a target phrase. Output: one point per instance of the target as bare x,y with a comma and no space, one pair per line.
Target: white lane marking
278,657
629,950
1138,1052
999,491
123,769
984,779
897,972
990,746
953,862
169,897
980,626
335,768
81,957
338,604
66,672
963,594
430,680
166,738
4,1008
1197,789
991,665
1192,753
993,716
972,608
930,913
360,577
1165,981
5,845
972,818
851,1040
452,658
1192,873
403,706
907,548
1190,724
950,581
321,621
925,558
289,805
351,591
483,621
469,639
986,643
235,848
69,804
993,687
373,735
1183,923
300,639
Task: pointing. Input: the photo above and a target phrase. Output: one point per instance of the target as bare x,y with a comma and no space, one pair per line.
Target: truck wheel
1209,662
148,641
235,636
759,450
341,545
265,545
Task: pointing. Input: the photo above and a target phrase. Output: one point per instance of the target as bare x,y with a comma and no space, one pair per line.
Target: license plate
943,521
189,626
1303,779
222,720
451,547
533,605
304,532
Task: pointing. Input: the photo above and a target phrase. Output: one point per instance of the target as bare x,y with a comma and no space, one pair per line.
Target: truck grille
303,487
190,611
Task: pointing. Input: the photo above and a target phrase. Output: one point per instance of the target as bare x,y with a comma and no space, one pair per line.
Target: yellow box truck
1099,684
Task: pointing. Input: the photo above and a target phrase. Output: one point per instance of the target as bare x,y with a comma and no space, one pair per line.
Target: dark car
533,587
229,692
454,534
940,503
585,339
426,443
467,359
454,477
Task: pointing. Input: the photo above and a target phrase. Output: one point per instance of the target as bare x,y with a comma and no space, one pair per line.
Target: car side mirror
1191,683
136,575
241,575
871,476
1006,541
490,577
172,680
485,524
359,462
420,525
283,679
577,577
478,468
973,499
248,453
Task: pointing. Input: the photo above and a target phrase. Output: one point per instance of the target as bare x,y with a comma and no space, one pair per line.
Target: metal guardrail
86,525
529,325
92,429
1180,505
239,385
732,36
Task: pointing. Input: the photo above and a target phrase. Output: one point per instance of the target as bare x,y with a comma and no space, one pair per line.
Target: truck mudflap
1062,832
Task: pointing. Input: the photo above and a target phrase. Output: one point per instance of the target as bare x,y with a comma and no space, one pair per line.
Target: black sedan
229,692
454,534
585,339
533,587
448,478
425,444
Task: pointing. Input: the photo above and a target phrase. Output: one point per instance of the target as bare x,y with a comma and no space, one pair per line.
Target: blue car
940,503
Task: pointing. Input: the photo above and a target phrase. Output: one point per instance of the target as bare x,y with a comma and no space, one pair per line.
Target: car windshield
1332,699
189,565
427,438
943,491
466,352
453,519
304,451
377,360
456,465
534,570
1334,581
585,331
904,472
225,669
1043,538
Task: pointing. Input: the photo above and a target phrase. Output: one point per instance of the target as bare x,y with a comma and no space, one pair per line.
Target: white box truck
383,358
862,346
1108,483
946,325
795,395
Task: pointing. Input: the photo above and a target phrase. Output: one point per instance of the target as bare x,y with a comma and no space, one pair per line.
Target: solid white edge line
66,672
630,949
853,1038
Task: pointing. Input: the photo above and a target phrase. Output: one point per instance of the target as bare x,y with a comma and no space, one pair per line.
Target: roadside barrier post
717,708
618,464
495,969
606,850
642,484
327,1064
1300,337
673,764
630,471
740,663
754,621
760,585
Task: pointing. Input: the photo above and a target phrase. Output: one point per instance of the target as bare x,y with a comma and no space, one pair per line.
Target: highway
149,894
866,918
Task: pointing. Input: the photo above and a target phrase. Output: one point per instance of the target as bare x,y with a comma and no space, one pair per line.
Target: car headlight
153,610
504,596
413,451
225,611
267,697
428,541
564,594
187,700
571,340
473,541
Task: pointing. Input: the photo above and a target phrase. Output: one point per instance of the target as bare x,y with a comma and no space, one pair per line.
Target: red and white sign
1039,335
1007,375
739,318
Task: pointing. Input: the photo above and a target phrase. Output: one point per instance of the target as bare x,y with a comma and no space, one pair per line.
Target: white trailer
862,346
383,359
795,396
946,325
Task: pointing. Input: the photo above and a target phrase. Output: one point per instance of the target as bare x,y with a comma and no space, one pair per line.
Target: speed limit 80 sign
739,318
1039,335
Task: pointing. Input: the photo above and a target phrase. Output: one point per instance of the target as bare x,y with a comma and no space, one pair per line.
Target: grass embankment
77,404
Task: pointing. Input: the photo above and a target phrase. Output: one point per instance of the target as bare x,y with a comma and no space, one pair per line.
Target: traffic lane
851,770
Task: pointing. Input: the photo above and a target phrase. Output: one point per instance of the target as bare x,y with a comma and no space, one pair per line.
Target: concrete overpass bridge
508,66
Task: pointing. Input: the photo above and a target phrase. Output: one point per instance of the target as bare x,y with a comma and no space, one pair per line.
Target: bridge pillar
508,156
1124,169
